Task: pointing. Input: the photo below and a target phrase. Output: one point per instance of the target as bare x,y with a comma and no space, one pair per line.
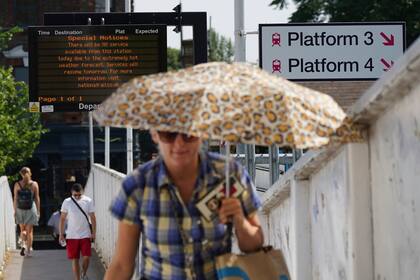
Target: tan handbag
265,264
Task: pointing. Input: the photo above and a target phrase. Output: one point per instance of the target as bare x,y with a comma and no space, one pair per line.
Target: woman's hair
25,170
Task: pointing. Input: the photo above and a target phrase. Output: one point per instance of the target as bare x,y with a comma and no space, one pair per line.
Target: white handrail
7,222
102,186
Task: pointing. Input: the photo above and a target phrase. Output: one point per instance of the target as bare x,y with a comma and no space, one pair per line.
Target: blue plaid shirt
149,199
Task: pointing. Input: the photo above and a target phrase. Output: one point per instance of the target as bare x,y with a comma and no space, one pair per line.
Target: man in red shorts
81,227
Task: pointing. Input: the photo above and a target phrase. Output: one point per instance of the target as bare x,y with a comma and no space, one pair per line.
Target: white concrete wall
279,226
354,209
329,200
395,163
323,223
341,217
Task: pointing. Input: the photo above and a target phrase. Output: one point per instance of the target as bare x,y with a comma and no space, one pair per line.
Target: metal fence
7,222
102,186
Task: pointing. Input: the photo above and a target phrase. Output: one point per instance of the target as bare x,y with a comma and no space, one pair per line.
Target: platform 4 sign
331,51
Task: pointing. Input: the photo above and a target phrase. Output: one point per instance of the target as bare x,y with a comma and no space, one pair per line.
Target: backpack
25,198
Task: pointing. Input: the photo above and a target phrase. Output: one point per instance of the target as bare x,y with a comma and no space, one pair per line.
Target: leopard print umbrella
232,102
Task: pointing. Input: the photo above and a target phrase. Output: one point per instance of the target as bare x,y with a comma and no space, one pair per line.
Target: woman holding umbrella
158,204
160,201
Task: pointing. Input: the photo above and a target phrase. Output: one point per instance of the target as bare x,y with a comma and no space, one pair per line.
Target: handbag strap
78,206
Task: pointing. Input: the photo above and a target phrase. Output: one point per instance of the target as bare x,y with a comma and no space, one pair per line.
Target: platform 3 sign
330,51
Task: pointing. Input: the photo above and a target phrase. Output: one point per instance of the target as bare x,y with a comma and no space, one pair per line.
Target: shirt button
189,259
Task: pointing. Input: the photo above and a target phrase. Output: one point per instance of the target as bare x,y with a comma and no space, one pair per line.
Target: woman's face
177,150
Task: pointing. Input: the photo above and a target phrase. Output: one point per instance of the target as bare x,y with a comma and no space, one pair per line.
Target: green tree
20,130
174,62
220,48
357,10
6,36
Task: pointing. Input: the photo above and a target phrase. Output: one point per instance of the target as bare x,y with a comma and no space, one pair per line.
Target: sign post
330,51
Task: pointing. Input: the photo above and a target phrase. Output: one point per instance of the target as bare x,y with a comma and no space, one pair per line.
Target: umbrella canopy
231,102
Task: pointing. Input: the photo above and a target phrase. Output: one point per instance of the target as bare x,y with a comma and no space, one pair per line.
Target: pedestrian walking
54,224
27,208
158,201
79,212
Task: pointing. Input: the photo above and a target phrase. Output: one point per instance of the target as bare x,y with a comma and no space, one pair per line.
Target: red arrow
389,41
387,65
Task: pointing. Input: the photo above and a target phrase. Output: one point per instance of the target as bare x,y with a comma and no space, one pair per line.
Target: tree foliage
6,36
358,11
20,130
220,48
174,63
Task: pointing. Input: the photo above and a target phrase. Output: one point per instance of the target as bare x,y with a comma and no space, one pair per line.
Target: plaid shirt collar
207,174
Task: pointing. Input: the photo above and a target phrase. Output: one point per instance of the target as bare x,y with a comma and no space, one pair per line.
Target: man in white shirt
81,229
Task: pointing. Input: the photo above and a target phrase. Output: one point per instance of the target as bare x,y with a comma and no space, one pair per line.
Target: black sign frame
198,21
74,105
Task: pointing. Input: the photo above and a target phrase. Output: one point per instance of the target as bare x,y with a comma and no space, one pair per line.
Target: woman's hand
231,208
248,229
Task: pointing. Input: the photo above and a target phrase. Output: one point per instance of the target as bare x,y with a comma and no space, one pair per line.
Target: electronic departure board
74,68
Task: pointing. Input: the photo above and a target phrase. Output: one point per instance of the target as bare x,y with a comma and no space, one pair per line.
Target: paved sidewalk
48,265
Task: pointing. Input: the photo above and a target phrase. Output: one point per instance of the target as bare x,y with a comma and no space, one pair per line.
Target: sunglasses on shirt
169,137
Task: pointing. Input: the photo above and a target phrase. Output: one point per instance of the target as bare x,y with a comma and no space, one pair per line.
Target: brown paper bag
267,264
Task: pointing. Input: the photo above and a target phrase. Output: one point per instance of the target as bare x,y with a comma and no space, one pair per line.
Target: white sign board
330,51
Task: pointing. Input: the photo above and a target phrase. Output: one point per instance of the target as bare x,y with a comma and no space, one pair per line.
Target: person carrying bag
79,234
27,206
87,219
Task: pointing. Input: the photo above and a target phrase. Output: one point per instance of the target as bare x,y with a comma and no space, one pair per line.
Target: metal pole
297,153
240,46
127,6
91,141
107,6
182,51
227,171
273,151
107,149
240,50
129,150
240,55
107,129
129,129
91,148
250,161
